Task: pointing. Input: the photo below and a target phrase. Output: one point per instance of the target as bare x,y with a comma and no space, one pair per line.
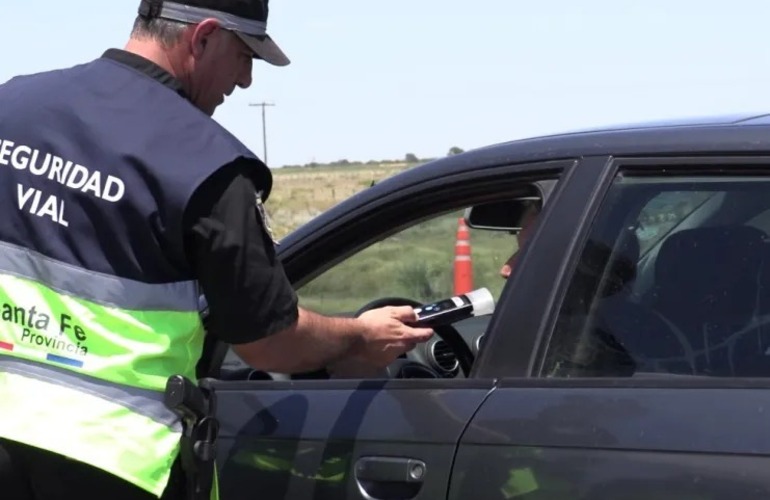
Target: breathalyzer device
476,303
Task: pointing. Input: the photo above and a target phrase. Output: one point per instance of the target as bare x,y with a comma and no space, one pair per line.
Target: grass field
300,194
416,263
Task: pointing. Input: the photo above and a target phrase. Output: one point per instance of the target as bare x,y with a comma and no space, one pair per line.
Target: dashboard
438,355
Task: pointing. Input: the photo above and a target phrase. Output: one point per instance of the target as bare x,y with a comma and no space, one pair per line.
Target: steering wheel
447,333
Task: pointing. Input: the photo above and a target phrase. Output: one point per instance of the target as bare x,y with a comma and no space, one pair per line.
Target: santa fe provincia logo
60,339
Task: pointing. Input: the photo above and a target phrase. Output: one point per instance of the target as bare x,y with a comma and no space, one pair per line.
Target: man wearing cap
122,202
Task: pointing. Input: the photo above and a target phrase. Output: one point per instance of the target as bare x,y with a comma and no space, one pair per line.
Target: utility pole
263,105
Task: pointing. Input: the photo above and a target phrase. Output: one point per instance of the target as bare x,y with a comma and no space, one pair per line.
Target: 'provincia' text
38,330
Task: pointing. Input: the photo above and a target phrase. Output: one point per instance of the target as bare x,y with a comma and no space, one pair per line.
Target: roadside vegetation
417,263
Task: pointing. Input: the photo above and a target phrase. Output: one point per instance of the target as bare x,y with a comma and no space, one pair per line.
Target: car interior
687,298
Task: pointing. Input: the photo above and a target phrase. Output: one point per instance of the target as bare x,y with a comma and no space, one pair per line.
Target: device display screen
442,305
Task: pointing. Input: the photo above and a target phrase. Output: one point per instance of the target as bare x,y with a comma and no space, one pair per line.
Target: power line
263,105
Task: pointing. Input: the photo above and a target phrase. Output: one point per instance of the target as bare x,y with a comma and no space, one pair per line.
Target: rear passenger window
664,213
674,279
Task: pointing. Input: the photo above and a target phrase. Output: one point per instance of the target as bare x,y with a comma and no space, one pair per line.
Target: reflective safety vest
85,364
98,306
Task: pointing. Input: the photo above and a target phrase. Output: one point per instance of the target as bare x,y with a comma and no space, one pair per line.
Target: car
628,353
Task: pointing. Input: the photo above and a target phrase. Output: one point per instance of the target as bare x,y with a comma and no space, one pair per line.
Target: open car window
344,268
415,263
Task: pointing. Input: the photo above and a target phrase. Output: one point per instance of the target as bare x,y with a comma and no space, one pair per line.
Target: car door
311,437
651,379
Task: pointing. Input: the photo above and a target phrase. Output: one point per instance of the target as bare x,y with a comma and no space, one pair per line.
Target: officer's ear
202,36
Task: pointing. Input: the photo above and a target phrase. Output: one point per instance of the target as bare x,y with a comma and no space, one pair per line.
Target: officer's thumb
405,314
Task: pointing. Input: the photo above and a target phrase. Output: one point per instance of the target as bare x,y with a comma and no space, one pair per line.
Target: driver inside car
528,223
524,225
350,368
607,270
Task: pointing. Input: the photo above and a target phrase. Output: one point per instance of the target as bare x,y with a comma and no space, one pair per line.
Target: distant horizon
668,121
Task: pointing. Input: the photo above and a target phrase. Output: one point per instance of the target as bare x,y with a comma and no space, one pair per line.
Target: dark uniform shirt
227,246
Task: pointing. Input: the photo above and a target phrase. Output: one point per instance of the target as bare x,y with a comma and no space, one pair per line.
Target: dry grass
417,263
299,194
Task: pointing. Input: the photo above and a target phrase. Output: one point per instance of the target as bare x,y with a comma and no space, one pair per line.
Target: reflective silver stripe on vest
190,14
97,287
140,401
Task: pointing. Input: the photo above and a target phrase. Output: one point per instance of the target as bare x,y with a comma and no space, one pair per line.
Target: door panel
652,376
303,440
608,443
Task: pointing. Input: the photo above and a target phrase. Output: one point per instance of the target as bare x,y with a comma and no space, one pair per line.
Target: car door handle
390,477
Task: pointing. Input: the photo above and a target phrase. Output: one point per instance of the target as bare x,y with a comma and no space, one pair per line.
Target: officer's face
221,61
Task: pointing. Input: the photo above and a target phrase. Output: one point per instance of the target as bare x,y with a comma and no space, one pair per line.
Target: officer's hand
386,335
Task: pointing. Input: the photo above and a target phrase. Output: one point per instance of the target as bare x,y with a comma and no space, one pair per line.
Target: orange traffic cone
463,264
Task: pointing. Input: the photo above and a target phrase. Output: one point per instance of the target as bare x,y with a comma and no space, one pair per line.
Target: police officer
122,200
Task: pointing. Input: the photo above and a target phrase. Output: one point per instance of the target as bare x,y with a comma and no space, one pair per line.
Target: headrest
710,259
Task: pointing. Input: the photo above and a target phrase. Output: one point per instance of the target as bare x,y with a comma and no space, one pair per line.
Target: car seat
620,336
750,348
655,344
706,283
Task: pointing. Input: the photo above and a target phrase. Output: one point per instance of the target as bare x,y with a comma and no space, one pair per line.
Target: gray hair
165,31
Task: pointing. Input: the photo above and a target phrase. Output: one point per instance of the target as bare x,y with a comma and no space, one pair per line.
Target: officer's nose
244,80
507,269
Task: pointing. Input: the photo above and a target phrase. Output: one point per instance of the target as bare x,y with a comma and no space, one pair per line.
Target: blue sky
377,80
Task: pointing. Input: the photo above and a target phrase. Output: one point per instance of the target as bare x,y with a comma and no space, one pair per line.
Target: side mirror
506,215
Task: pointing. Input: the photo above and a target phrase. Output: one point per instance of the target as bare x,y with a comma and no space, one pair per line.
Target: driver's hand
387,335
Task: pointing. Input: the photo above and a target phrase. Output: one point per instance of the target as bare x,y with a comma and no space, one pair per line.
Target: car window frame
343,238
528,298
663,166
350,225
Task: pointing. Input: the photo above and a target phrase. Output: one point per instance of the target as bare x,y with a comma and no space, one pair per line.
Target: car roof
719,134
694,134
690,121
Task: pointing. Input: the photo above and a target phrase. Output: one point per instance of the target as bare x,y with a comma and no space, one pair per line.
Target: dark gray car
627,357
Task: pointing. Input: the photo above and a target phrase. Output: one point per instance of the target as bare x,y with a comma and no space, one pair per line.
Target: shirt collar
147,67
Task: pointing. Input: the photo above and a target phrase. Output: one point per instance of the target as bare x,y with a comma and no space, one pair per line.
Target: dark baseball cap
246,18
